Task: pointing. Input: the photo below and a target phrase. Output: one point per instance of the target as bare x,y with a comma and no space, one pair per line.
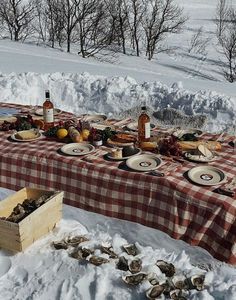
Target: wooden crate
18,236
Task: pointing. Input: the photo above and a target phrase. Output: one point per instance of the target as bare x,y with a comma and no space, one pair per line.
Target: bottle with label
144,126
48,112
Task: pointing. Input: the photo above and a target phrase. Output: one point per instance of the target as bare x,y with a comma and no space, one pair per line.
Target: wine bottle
48,112
144,126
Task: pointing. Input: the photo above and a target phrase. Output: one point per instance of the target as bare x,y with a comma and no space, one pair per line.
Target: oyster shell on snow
134,279
166,268
108,249
131,249
198,281
152,278
76,240
180,282
97,260
122,264
135,266
81,253
60,245
178,294
155,292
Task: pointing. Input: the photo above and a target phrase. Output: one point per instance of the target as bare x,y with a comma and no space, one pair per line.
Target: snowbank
85,93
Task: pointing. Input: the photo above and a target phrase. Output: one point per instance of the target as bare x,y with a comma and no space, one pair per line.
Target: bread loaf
26,135
189,145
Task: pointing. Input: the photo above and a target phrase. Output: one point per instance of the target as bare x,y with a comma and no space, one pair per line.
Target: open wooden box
18,236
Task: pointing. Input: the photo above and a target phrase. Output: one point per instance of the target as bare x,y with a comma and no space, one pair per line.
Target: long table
195,214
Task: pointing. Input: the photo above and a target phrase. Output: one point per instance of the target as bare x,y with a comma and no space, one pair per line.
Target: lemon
61,133
85,134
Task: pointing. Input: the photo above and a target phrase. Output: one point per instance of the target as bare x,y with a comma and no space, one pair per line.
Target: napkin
228,189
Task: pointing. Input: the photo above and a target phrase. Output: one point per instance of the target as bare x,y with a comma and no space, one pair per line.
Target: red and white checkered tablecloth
195,214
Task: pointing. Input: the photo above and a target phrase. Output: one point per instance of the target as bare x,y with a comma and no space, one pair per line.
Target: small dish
206,175
39,111
15,138
137,151
94,118
180,133
200,158
143,162
77,149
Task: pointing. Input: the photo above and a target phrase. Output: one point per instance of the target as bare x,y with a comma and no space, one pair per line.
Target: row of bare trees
93,25
226,34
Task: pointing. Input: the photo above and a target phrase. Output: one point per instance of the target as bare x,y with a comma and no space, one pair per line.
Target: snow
42,272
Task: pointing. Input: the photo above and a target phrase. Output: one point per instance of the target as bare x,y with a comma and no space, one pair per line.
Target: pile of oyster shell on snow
171,284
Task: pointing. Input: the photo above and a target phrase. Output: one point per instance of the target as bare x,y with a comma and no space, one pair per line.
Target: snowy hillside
190,82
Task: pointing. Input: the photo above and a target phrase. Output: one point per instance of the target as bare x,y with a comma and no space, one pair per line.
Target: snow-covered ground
42,273
190,82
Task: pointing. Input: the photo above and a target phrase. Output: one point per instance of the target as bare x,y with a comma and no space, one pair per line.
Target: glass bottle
48,112
144,126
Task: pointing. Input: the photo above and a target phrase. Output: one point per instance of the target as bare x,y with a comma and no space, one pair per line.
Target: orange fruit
62,133
85,134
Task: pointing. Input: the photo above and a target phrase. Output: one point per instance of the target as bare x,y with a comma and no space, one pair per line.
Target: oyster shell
155,292
122,264
198,281
178,294
180,282
134,279
152,278
97,260
131,249
108,249
76,240
81,253
135,266
166,268
60,245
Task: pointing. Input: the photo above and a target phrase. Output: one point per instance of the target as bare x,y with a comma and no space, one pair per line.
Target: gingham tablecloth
186,211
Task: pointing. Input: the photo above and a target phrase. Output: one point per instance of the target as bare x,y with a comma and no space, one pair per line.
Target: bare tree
227,41
198,42
17,16
161,18
221,16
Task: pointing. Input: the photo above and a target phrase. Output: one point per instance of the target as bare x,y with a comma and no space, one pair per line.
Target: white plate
144,162
206,175
180,132
137,152
95,118
200,158
39,111
77,149
134,126
14,138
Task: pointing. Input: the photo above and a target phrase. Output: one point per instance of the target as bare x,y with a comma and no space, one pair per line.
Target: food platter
94,118
39,111
206,175
134,126
77,149
144,162
15,137
137,151
200,158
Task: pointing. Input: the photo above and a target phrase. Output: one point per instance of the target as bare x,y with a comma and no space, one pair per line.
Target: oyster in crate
108,249
131,249
166,268
97,260
76,240
122,264
155,292
135,266
134,279
198,281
